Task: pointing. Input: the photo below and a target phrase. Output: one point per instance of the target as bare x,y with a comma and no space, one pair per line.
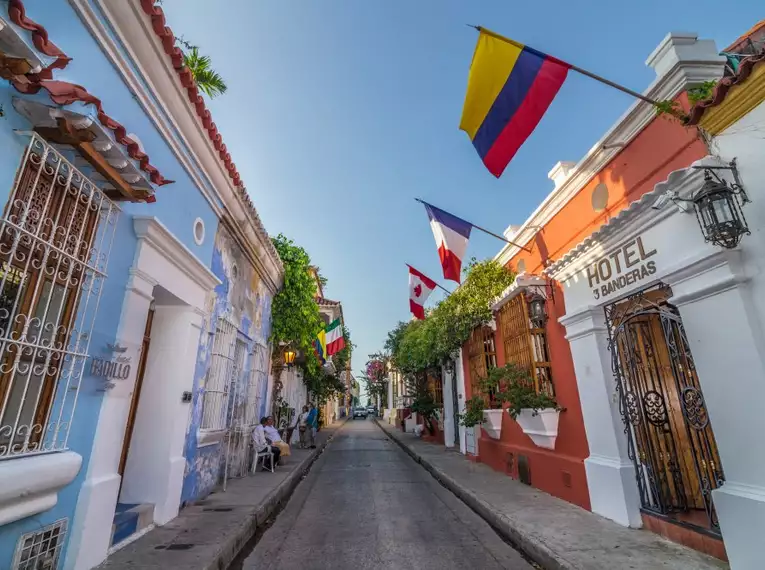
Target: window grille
56,235
40,550
215,397
436,388
257,384
525,345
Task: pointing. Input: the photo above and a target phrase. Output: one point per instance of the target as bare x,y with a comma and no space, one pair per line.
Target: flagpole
589,74
488,232
437,285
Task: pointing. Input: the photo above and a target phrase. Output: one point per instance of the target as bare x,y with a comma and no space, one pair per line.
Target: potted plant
536,413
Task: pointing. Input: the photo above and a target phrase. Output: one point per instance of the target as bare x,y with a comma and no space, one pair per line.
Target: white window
215,397
222,392
56,233
41,548
258,380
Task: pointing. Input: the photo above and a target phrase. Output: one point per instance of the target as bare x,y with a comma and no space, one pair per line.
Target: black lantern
537,310
718,208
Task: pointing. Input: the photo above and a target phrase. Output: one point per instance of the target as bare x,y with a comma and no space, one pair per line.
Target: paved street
367,505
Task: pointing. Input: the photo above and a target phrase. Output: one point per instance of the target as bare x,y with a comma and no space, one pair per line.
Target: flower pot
540,425
492,423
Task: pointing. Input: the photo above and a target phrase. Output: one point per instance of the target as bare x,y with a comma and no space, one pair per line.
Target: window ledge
31,484
210,437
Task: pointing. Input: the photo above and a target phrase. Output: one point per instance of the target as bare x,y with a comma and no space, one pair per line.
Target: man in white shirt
260,442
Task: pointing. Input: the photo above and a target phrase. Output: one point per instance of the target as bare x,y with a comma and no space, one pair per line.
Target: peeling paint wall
244,300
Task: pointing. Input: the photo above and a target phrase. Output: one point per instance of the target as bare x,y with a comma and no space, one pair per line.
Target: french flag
452,235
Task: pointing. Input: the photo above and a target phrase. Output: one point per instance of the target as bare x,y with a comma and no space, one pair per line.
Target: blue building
126,242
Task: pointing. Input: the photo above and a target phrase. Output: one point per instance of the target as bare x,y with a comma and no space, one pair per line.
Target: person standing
303,428
313,423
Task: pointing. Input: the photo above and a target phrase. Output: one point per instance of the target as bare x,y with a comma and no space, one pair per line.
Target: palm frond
207,79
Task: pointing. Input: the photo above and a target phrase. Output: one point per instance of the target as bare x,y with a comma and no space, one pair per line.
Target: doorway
455,405
670,437
136,394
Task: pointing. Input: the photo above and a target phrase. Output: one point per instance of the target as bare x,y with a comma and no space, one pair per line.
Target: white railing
56,235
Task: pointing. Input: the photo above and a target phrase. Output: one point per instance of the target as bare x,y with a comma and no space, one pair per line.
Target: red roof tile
63,93
723,87
40,39
167,38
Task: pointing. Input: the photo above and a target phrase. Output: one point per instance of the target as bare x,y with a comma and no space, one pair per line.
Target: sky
340,112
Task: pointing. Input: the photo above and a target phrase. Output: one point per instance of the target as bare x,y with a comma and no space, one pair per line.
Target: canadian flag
420,288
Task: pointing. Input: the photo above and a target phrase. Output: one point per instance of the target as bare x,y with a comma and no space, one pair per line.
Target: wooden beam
81,140
13,67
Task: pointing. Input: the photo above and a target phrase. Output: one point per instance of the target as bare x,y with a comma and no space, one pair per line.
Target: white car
360,413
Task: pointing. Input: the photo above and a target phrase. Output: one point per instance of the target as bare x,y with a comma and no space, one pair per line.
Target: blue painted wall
177,206
246,301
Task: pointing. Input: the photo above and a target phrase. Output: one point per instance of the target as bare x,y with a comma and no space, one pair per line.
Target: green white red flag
335,339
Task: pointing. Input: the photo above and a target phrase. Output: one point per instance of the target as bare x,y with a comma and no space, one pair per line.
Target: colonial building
566,320
115,274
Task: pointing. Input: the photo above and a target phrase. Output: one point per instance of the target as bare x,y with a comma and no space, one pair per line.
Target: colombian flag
510,86
320,346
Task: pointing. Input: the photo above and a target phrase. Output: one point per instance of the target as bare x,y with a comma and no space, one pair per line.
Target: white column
448,380
92,525
726,339
459,378
155,466
610,471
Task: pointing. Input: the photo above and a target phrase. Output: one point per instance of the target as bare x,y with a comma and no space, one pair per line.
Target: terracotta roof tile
17,14
167,37
723,87
63,93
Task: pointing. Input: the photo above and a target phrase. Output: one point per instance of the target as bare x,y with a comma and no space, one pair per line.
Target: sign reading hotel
624,267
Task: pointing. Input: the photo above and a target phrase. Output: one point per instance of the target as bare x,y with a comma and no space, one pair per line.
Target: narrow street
368,505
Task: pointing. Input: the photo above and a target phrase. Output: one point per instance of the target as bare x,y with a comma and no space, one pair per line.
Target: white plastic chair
260,456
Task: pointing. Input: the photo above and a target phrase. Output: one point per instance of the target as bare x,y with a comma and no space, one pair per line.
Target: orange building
639,151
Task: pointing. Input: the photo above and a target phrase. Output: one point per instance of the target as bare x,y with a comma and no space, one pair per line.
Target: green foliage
701,92
295,314
422,400
513,384
671,109
418,345
206,78
473,414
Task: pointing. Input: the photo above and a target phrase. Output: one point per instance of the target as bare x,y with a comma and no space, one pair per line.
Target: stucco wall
177,206
245,300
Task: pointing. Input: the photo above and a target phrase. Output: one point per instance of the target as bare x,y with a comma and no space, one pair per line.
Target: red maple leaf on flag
417,290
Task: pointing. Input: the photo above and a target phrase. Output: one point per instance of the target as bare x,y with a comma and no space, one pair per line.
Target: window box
540,425
492,423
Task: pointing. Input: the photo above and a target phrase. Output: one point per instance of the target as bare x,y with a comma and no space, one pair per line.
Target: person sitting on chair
260,442
272,434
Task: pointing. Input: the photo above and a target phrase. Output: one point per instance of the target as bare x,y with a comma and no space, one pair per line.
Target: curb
234,545
534,549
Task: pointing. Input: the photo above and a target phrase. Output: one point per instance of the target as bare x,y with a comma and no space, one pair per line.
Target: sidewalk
211,533
555,534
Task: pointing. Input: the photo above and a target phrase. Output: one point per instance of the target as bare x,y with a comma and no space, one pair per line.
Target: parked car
371,410
360,413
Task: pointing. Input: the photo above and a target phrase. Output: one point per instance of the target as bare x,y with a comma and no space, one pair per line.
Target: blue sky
340,112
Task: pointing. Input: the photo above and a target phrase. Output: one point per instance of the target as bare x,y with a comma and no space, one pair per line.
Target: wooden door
136,392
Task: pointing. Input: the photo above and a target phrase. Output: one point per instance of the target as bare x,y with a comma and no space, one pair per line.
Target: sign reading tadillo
622,268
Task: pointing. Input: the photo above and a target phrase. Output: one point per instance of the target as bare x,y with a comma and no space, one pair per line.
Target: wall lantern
289,357
537,310
449,366
718,208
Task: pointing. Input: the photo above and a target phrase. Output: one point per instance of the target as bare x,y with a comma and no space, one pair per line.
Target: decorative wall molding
31,484
153,232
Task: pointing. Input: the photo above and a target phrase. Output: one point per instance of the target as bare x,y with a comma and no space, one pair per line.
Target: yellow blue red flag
510,87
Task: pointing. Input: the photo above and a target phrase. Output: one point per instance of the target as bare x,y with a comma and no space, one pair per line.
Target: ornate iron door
670,438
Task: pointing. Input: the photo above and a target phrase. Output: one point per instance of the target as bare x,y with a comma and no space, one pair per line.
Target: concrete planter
492,423
540,425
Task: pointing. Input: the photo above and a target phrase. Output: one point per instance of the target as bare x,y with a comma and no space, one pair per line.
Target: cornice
616,139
